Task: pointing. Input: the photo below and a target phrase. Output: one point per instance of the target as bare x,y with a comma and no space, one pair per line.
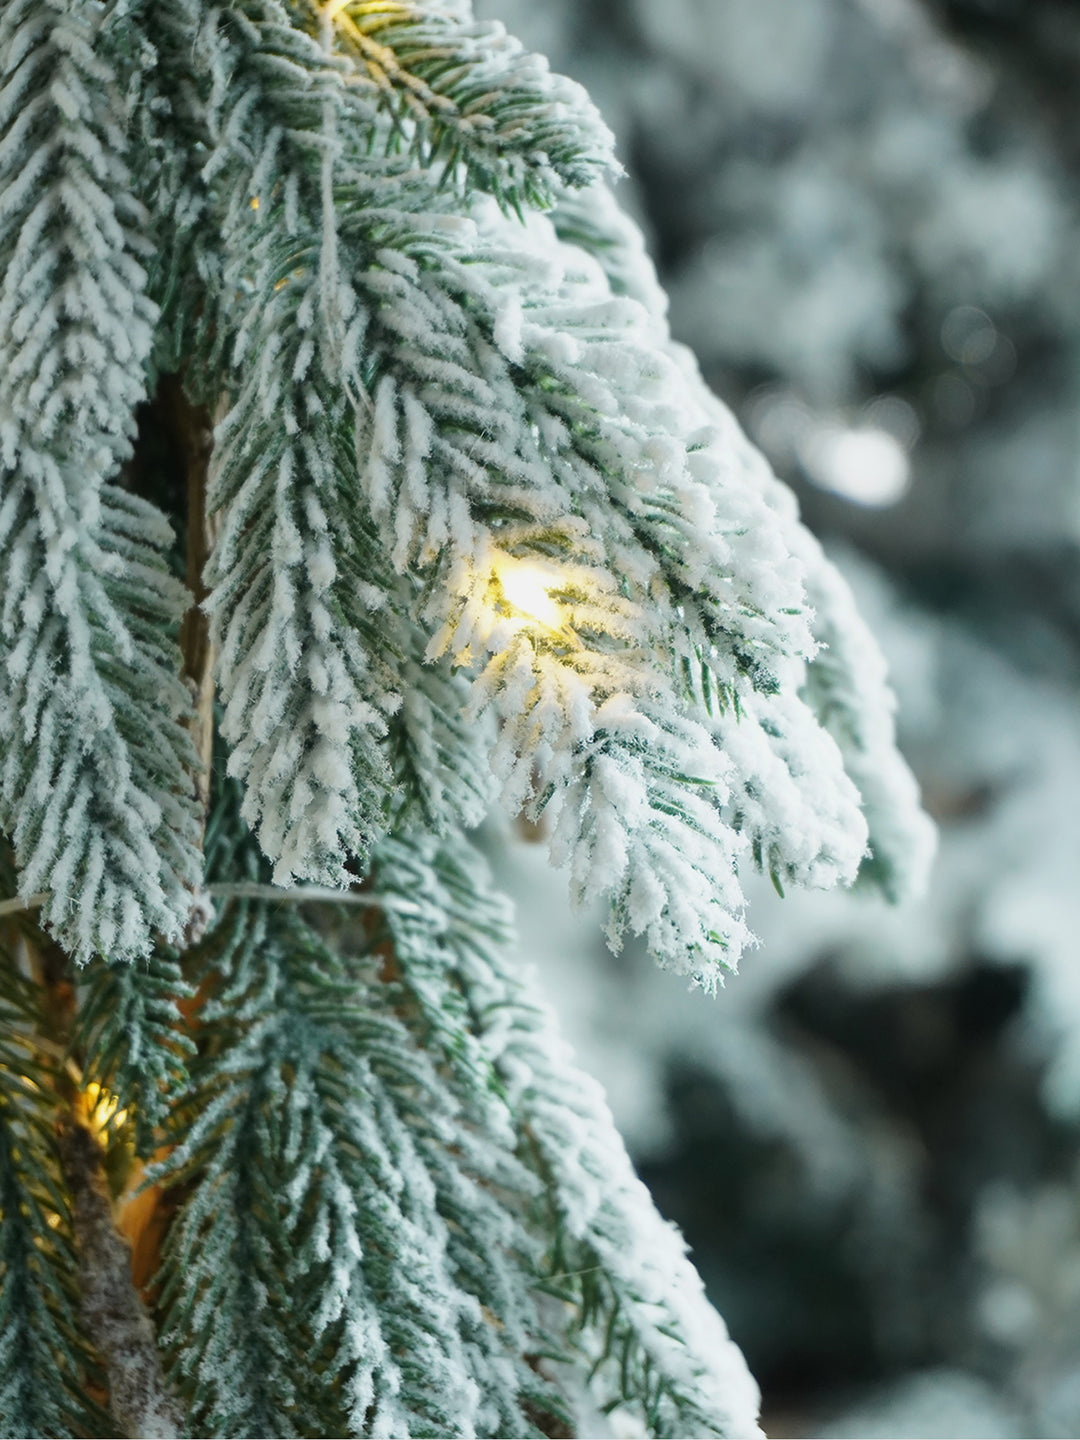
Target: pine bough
480,533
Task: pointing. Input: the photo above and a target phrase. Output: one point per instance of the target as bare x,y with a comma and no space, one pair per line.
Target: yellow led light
526,586
102,1109
254,202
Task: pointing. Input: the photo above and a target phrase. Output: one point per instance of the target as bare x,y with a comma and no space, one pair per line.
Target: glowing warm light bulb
102,1108
526,587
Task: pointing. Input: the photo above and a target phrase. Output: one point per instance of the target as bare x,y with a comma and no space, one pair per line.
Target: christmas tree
350,483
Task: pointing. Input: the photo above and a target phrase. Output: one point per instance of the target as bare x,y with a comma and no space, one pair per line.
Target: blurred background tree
866,214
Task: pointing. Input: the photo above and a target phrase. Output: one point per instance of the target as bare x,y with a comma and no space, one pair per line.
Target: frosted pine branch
507,409
91,702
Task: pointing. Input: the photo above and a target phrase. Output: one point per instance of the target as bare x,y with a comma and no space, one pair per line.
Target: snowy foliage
448,1167
506,409
866,216
474,529
94,779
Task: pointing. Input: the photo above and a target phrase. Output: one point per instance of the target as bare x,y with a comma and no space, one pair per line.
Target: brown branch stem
116,1322
112,1309
193,429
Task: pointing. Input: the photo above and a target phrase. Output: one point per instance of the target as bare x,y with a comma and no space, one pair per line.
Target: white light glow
526,585
866,465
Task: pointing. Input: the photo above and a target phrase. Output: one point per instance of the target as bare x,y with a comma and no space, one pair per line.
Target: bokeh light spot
867,465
